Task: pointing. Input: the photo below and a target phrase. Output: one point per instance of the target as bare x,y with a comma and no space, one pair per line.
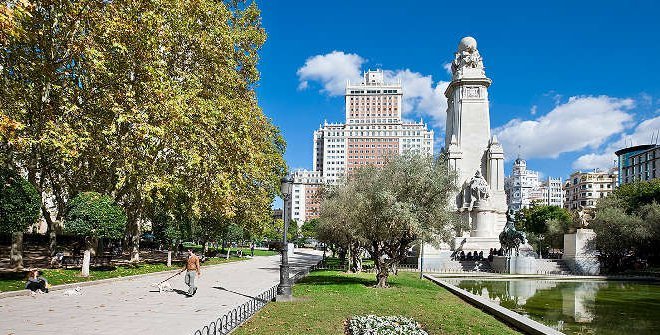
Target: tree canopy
627,225
139,100
547,222
387,209
91,214
19,202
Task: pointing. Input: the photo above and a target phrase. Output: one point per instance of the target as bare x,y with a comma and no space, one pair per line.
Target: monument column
477,159
481,201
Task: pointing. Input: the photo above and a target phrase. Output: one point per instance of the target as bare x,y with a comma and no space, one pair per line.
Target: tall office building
638,163
374,129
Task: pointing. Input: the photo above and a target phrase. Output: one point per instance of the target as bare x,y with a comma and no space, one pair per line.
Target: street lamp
284,288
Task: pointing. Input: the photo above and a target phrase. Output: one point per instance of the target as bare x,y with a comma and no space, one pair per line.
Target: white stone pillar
86,261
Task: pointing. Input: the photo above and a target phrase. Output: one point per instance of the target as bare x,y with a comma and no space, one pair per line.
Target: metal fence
230,321
234,318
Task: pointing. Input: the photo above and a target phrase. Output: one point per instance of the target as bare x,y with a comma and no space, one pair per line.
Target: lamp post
284,287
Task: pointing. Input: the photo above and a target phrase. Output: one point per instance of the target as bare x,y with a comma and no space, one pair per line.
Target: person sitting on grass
36,282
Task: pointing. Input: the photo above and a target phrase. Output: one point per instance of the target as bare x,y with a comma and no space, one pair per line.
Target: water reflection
577,307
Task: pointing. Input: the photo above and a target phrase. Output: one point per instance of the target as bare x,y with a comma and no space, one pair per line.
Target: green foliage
387,209
636,195
546,224
94,215
139,100
19,202
309,228
627,225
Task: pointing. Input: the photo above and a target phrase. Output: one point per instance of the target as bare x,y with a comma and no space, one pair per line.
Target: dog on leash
73,291
163,287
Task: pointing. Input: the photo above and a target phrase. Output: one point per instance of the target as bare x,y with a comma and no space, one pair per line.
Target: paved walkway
134,307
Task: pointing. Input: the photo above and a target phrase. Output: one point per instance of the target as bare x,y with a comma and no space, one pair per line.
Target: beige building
583,189
374,129
304,203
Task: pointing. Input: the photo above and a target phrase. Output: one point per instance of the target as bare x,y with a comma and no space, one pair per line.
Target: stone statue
510,238
474,191
479,188
582,217
467,56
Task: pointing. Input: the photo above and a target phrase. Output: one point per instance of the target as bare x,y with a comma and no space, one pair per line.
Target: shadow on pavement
182,292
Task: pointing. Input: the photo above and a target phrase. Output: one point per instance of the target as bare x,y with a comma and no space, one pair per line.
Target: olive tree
20,204
627,225
393,206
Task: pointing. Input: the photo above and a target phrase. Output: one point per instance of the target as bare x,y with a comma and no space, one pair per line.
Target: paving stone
135,307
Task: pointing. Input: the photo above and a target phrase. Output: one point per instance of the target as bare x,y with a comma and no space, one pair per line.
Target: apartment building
583,189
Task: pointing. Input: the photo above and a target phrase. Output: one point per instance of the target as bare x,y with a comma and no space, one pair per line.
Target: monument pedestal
473,243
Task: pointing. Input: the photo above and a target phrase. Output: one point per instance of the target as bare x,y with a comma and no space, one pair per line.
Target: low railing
230,321
226,323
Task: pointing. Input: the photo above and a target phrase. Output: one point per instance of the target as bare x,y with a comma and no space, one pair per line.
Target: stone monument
477,158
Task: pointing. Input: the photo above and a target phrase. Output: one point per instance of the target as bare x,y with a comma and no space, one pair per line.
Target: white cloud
644,133
582,122
422,96
533,110
594,161
331,70
447,67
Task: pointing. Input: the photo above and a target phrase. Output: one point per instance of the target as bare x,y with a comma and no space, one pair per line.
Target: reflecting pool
595,307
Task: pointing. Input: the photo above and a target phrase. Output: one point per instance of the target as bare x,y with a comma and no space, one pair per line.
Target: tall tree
393,206
138,98
19,208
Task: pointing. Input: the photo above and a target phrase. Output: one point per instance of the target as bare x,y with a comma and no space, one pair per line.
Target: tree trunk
16,253
134,240
85,264
356,260
381,276
169,258
52,232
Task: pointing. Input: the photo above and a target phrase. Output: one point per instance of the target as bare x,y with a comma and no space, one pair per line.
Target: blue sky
572,80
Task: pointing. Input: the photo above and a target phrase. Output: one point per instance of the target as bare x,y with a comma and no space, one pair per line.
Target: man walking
192,266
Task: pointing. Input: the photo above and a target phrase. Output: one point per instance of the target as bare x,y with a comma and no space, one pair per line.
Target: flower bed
383,325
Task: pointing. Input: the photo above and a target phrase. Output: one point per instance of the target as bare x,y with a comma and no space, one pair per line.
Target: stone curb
514,319
547,277
10,294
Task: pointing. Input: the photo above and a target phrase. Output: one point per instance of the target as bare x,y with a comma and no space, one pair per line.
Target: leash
172,276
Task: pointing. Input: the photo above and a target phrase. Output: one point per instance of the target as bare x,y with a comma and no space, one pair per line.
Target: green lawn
67,276
328,298
259,252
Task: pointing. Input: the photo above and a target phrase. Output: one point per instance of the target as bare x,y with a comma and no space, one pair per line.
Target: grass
67,276
259,252
327,298
246,251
